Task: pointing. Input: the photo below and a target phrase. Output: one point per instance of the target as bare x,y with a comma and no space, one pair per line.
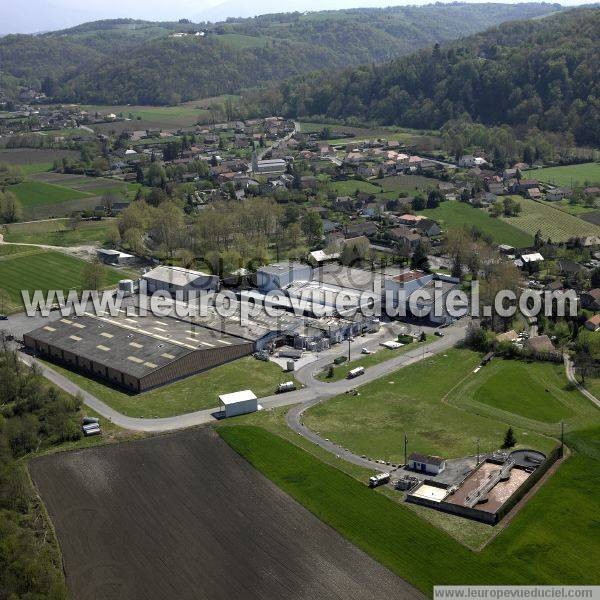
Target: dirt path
86,251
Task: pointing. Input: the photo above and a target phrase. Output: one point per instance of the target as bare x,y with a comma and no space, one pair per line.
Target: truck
287,386
356,372
379,479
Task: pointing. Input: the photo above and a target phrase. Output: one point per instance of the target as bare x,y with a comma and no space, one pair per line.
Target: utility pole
405,448
562,437
348,349
477,451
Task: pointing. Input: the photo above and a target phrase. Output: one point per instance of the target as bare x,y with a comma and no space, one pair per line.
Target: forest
138,62
540,74
34,416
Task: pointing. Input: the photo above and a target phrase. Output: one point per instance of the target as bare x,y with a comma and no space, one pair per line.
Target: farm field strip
557,225
569,175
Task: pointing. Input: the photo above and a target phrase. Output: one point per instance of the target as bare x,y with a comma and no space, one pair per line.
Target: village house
593,323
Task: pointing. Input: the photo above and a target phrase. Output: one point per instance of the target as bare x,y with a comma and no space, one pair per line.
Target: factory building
177,280
277,275
135,353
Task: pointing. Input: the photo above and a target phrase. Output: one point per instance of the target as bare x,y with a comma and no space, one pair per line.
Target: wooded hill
138,62
542,73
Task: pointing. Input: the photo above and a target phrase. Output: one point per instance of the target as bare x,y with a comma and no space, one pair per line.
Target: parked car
3,318
439,333
366,351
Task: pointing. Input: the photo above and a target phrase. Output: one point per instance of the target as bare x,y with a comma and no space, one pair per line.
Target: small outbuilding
426,464
238,403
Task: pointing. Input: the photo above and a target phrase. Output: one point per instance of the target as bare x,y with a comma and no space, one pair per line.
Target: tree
509,439
595,278
434,198
10,207
418,203
419,258
312,226
93,275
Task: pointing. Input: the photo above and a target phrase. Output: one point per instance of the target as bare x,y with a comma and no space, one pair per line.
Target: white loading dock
238,403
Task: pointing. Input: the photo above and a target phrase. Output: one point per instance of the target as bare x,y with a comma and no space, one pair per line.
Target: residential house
534,193
591,299
367,228
427,227
593,323
424,463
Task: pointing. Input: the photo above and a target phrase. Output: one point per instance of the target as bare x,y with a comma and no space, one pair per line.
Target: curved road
313,392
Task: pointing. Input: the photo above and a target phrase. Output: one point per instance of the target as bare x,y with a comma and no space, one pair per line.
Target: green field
242,42
537,392
368,360
412,400
35,193
532,549
411,184
455,215
42,270
59,232
349,187
193,393
555,224
586,174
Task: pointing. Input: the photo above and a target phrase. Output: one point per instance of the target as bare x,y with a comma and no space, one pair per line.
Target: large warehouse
135,353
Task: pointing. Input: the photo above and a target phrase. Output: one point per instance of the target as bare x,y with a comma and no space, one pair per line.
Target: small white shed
239,403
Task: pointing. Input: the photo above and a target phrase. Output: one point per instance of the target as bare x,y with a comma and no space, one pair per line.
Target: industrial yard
184,516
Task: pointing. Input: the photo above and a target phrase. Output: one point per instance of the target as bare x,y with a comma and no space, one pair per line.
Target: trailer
355,372
379,479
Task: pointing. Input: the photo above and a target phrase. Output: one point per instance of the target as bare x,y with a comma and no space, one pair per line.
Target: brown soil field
183,516
32,156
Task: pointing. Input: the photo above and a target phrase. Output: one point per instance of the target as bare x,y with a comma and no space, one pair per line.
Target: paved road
314,390
570,370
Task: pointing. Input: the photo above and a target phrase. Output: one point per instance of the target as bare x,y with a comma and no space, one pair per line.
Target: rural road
570,371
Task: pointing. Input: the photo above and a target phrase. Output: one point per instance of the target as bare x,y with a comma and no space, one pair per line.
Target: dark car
3,318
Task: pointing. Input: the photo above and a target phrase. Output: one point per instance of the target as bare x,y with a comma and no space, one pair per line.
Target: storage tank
290,365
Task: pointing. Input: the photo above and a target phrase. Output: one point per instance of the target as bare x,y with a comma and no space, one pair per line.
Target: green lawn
58,232
37,193
187,395
569,176
555,224
368,360
29,169
560,521
529,394
412,400
42,270
411,184
349,187
454,215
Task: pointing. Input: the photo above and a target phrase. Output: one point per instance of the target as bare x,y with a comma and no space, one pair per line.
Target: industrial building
177,280
277,275
137,353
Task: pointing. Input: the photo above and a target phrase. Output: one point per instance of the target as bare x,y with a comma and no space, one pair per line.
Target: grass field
368,360
41,270
32,158
538,396
569,176
555,224
58,232
35,193
411,400
411,184
187,395
242,42
456,215
532,548
349,187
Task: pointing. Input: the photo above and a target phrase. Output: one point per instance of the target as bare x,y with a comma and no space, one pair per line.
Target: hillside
127,61
542,73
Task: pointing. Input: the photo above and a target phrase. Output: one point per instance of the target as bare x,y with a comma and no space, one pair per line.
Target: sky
46,15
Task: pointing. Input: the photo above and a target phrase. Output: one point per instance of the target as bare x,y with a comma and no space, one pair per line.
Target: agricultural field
205,504
455,215
554,224
59,232
32,194
532,547
404,136
409,184
571,176
35,269
31,158
414,401
193,393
